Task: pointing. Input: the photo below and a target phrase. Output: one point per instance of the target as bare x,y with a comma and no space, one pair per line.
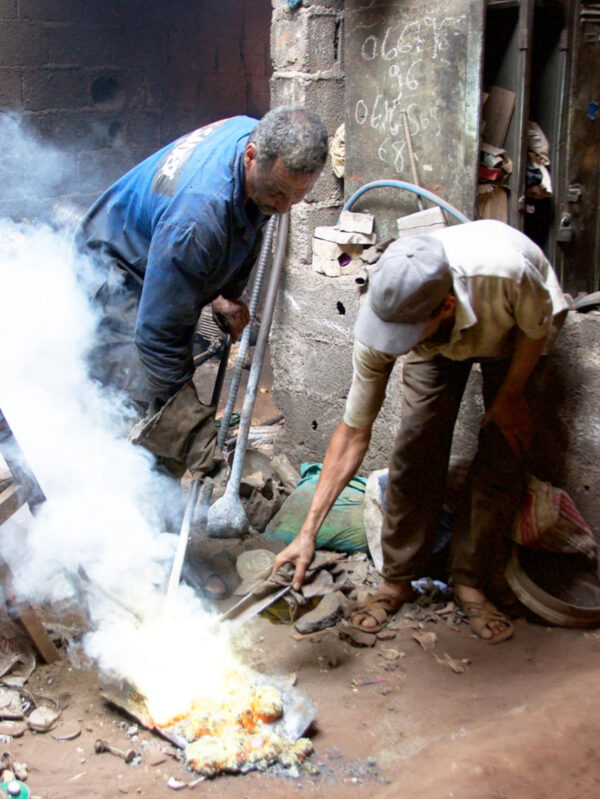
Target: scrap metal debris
426,639
457,666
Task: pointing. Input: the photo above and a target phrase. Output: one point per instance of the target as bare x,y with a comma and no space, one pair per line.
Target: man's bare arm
345,452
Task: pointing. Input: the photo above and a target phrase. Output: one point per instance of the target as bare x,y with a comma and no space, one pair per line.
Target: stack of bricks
311,344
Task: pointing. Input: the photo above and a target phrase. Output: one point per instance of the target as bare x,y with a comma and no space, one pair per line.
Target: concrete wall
110,81
312,337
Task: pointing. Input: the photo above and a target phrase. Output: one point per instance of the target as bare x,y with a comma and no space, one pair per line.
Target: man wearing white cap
482,293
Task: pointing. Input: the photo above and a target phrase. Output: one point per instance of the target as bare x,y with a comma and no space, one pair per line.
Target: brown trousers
433,390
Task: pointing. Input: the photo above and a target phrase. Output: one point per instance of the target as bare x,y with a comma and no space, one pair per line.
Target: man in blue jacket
181,230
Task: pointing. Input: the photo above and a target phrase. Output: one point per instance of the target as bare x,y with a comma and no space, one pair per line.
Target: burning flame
182,661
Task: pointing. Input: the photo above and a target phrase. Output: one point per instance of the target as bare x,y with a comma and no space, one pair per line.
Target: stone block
80,46
336,234
8,9
323,34
334,260
138,46
328,189
333,267
149,89
324,96
289,41
47,89
23,44
193,53
56,10
304,220
10,88
421,223
318,5
357,222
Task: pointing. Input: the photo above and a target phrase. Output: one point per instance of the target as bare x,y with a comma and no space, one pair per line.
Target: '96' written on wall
399,62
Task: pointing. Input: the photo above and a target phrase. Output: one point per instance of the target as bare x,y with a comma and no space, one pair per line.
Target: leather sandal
480,614
380,607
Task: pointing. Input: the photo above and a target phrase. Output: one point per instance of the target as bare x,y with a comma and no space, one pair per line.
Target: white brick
358,223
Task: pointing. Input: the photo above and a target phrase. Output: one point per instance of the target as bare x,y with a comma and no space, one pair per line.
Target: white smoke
104,500
31,173
105,505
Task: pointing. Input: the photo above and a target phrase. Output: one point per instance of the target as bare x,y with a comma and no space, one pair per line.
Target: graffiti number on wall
402,58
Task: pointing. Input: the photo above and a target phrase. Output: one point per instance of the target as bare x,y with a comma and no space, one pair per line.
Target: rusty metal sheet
424,60
126,698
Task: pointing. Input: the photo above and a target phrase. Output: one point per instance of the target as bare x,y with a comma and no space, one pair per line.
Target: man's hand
344,455
299,552
513,417
230,316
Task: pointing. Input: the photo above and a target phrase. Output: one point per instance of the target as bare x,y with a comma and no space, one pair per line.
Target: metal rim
543,604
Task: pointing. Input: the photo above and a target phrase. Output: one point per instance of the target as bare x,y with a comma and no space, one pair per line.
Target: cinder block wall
311,343
110,81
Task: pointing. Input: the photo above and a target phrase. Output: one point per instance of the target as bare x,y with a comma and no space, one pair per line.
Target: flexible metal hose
227,516
245,340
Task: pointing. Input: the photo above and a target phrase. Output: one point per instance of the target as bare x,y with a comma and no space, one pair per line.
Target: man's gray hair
295,135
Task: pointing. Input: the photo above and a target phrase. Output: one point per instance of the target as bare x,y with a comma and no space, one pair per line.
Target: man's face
439,327
274,190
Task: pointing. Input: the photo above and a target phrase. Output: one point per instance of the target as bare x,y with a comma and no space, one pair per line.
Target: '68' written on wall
416,66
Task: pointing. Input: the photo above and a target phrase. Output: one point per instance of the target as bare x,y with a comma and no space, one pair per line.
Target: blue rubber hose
401,184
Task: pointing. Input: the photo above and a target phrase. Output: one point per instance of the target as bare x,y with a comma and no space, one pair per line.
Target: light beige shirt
502,282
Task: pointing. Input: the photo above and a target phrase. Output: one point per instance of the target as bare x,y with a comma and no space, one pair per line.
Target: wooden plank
11,500
25,614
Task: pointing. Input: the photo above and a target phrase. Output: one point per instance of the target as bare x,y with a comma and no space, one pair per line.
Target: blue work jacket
179,225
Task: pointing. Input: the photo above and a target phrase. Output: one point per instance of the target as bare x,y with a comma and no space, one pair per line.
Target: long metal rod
184,534
226,518
208,485
413,164
245,340
259,352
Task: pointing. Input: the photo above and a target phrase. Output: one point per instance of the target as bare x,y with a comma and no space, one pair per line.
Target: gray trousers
433,390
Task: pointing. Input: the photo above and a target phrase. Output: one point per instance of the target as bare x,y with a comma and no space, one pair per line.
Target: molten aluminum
181,677
237,733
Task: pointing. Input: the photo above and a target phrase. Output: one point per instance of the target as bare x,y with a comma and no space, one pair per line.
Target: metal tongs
250,606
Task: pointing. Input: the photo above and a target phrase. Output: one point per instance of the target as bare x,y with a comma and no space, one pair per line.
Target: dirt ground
520,722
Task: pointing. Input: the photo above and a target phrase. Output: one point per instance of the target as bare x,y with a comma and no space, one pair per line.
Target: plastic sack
343,529
549,520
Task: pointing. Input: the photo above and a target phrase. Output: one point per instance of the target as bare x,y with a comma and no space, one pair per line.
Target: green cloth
343,529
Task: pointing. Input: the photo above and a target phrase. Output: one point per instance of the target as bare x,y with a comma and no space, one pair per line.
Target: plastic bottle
15,789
